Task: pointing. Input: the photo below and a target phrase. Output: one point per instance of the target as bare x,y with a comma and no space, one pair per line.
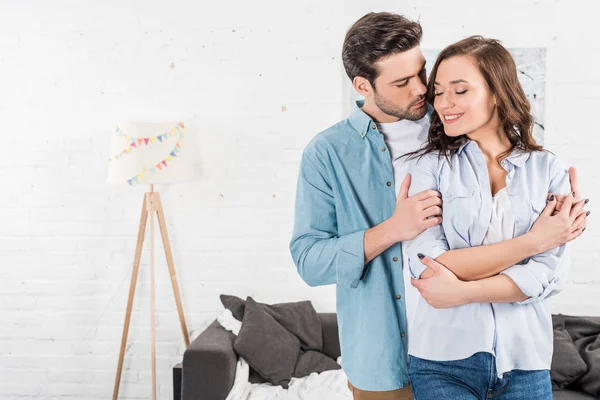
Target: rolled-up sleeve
320,255
544,274
432,241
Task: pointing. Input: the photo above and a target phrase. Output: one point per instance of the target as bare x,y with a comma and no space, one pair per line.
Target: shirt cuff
351,259
415,267
529,284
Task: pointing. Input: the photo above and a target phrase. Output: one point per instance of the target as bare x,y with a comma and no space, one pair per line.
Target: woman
494,180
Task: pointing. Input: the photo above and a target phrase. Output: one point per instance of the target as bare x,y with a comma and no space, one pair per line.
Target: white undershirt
403,137
502,223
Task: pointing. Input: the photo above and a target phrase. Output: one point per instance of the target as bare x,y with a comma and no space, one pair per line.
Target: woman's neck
492,140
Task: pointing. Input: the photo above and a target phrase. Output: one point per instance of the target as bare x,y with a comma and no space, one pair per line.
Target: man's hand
551,230
409,219
411,215
439,286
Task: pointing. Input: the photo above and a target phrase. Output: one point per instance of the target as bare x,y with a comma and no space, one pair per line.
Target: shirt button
389,183
374,127
402,334
395,259
382,148
398,297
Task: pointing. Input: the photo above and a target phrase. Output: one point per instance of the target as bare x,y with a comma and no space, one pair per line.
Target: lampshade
145,153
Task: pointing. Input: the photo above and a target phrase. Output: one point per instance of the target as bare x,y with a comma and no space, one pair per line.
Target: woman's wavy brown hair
500,72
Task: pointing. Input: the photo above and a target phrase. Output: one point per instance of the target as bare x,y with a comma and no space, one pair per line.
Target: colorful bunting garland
135,143
179,129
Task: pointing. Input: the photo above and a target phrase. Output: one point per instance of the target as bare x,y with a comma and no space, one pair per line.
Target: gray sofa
209,363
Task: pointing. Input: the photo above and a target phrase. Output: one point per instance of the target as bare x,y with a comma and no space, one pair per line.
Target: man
353,210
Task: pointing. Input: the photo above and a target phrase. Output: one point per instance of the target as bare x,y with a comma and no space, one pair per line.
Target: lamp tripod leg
169,255
152,208
132,285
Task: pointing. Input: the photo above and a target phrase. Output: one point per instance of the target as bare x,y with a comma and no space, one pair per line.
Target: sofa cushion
567,364
312,361
585,333
570,395
266,345
299,318
234,304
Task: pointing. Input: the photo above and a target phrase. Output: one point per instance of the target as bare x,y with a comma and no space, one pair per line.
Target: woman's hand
439,286
560,200
574,188
553,229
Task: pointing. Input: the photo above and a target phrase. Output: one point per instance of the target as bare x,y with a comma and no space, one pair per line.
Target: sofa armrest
209,365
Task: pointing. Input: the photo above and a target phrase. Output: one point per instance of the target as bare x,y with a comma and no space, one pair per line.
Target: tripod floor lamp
149,153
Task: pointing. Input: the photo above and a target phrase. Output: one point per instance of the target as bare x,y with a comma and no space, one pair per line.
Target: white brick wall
69,70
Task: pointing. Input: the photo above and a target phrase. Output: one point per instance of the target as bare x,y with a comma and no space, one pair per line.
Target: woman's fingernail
586,201
552,198
583,230
587,213
421,256
573,193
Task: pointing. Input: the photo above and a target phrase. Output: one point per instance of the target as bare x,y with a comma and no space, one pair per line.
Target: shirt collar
462,146
518,157
360,120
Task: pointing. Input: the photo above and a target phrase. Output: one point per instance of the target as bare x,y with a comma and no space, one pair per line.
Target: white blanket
330,385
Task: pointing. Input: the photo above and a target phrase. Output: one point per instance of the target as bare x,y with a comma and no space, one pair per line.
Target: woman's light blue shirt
518,334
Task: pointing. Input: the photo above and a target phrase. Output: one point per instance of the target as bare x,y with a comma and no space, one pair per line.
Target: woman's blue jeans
475,378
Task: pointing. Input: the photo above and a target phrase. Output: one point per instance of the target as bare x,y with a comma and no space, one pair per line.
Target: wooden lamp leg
152,209
169,255
134,277
152,206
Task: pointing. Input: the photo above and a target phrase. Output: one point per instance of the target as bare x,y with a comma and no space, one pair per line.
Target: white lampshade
145,153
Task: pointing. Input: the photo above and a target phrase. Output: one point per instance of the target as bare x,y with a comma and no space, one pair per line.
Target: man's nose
419,89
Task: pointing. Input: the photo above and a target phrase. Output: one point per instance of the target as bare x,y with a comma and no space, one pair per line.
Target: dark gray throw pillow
235,305
266,345
299,318
312,361
567,364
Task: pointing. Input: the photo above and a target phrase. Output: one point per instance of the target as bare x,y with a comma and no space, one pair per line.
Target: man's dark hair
375,36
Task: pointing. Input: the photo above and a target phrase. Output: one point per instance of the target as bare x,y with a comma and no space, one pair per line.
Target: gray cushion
570,395
266,345
235,305
567,364
585,332
312,361
299,318
302,320
589,349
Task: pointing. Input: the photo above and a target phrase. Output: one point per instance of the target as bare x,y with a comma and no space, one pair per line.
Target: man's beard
399,112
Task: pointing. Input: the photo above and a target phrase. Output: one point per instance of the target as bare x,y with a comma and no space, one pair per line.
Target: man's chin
416,115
